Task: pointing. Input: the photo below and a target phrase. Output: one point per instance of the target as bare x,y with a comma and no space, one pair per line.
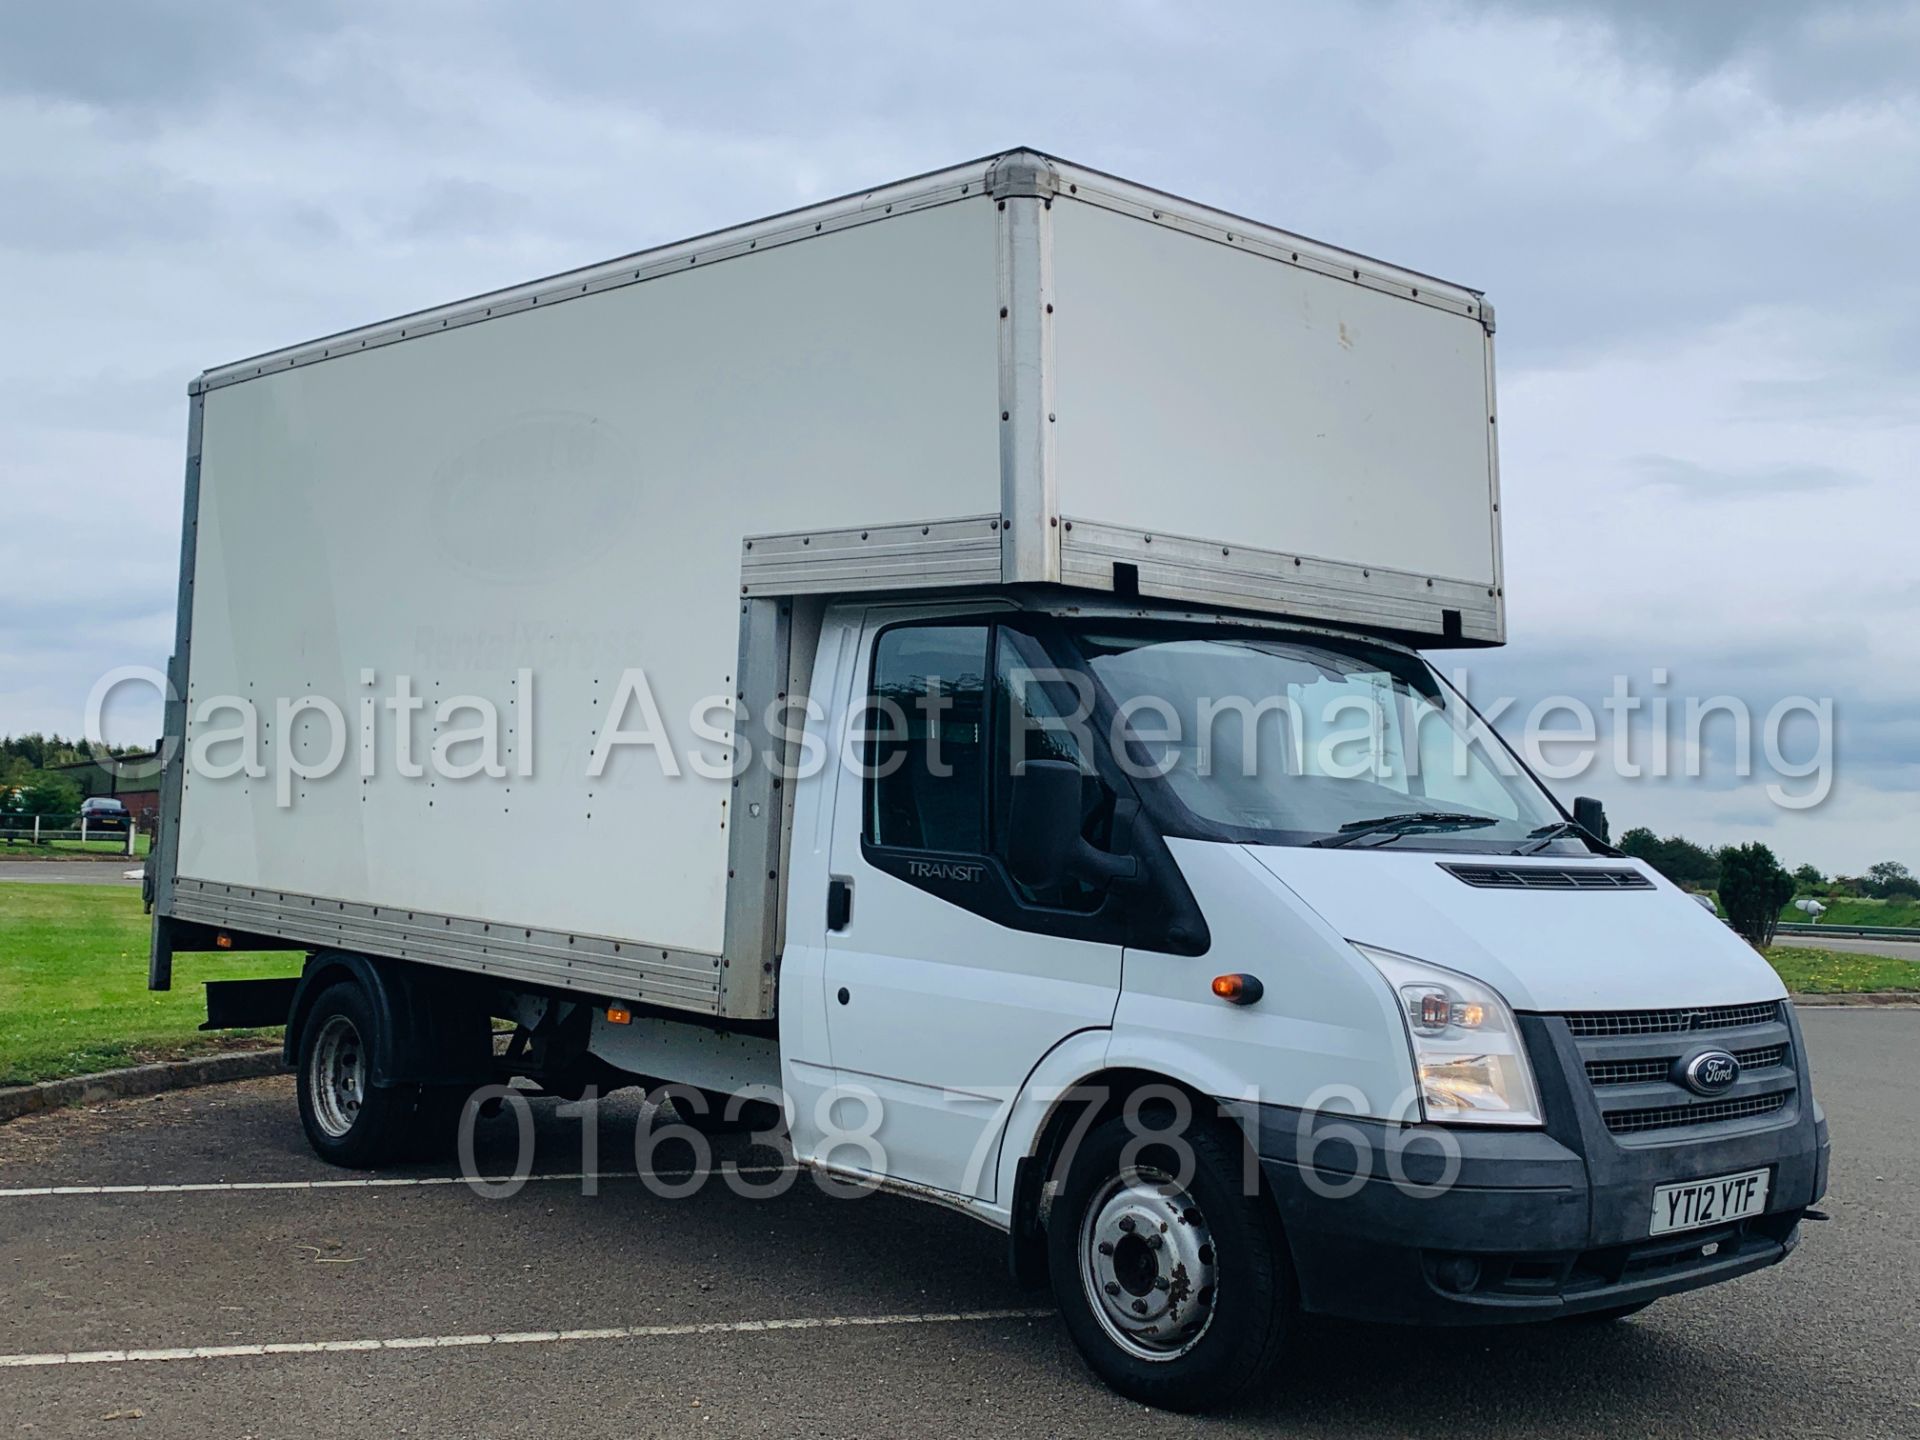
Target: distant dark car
102,813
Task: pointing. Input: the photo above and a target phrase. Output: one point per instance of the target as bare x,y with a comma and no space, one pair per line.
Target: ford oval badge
1711,1072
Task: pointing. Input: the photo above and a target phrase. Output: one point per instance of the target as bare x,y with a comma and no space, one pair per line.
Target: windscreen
1294,740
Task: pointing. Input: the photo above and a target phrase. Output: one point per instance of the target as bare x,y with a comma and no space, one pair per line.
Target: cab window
945,745
927,712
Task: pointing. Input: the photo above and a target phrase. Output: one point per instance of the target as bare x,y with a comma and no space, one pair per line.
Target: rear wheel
349,1121
1172,1278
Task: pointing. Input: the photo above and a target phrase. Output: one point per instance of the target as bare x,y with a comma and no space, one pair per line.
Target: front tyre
348,1120
1173,1281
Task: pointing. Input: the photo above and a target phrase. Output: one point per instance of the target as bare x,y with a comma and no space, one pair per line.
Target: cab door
946,981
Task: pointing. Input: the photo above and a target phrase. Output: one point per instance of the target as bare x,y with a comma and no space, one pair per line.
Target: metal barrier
1863,932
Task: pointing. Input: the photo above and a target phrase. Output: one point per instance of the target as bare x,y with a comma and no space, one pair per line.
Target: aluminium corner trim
755,815
1025,174
559,959
912,555
1493,498
805,618
967,181
165,849
1242,577
1029,504
1010,176
1110,192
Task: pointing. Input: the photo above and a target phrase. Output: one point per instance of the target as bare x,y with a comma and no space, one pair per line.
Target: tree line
1695,867
1753,885
29,783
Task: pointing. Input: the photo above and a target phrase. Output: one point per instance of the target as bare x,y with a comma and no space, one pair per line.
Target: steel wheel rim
1148,1263
337,1076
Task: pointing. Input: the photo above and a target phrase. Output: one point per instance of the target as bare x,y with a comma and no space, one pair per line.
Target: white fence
42,829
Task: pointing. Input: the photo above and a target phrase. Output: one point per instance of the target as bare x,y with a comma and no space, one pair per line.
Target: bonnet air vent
1542,877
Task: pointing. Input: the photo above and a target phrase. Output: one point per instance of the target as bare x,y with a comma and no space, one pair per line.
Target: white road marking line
375,1182
521,1337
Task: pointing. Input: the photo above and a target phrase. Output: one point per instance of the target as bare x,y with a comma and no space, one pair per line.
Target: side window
944,747
1039,715
926,788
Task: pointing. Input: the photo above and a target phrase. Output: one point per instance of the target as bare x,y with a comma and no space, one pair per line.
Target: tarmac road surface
628,1314
72,872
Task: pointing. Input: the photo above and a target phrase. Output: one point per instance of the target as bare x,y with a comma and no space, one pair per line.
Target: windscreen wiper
1560,830
1407,824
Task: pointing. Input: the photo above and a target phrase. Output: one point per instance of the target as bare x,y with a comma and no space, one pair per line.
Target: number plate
1708,1202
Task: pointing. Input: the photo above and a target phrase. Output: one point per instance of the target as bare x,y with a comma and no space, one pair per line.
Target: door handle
839,903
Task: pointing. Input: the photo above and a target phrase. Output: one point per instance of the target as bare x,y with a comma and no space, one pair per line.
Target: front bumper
1423,1226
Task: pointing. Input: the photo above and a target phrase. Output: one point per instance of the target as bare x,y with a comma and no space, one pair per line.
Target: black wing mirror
1044,843
1591,816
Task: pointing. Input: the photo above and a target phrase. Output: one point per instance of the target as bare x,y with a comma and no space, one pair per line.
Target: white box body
1012,372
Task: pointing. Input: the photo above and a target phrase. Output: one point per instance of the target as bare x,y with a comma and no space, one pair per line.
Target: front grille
1627,1072
1597,1024
1669,1117
1629,1059
1642,1072
1546,877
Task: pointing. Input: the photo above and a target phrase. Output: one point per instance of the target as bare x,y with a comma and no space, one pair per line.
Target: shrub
1753,889
1690,866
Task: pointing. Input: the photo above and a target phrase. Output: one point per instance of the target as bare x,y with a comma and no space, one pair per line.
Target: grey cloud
1644,241
455,207
1866,371
127,596
71,216
1800,51
97,400
1701,482
161,54
206,180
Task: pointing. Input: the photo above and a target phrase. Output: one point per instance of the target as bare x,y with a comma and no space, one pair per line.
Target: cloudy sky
1698,224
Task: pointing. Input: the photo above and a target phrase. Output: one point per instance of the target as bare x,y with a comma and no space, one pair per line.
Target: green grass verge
1808,971
74,997
73,985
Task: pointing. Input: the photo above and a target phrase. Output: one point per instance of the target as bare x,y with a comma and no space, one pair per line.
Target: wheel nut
1113,1287
1126,1223
1106,1247
1155,1242
1160,1283
1139,1307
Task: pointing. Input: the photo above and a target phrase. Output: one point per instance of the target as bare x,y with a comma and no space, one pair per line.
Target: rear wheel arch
430,1027
326,968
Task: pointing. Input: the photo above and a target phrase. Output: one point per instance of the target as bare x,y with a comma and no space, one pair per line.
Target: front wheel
1168,1265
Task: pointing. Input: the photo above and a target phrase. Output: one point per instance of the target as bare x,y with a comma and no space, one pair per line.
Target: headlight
1466,1044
